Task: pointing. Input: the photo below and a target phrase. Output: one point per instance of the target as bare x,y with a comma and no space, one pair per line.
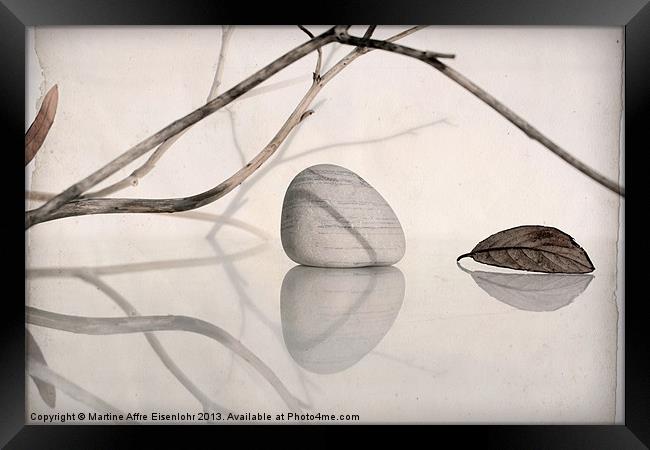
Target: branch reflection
140,324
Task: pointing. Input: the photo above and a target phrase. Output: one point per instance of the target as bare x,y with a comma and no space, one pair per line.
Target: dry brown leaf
38,130
533,248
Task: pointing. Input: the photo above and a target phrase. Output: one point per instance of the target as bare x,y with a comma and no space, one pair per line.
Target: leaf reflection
531,292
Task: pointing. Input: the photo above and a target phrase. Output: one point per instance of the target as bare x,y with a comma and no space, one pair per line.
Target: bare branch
114,206
179,125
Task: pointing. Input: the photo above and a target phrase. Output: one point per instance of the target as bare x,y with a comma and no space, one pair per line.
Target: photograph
312,224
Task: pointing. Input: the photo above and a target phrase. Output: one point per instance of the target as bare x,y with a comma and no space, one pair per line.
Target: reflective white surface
418,342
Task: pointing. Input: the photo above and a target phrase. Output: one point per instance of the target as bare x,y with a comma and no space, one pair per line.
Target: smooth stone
331,217
332,318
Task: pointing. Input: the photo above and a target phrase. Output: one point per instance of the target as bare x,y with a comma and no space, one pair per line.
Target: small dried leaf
533,248
38,130
47,391
532,292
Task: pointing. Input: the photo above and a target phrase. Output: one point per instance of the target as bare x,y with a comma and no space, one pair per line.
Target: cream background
466,175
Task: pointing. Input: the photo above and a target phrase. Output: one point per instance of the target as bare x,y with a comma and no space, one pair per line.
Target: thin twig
226,34
371,29
140,324
319,59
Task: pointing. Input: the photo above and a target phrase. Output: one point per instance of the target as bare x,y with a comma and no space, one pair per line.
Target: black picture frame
16,15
